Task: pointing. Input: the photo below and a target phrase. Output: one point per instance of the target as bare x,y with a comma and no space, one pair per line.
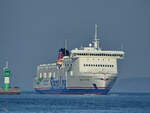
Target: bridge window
98,65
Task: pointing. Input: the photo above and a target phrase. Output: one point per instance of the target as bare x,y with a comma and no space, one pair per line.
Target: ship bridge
93,59
92,52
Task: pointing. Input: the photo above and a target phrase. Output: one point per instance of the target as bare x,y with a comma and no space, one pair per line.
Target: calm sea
29,102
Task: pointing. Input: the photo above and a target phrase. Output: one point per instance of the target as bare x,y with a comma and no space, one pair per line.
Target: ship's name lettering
58,83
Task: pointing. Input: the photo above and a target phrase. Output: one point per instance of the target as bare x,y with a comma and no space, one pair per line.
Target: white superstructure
87,69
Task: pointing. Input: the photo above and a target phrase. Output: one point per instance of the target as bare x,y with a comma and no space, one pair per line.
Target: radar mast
96,40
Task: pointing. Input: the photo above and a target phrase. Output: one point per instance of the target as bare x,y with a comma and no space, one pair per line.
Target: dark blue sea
29,102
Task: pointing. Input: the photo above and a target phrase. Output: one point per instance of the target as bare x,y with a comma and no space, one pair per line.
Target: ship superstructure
85,70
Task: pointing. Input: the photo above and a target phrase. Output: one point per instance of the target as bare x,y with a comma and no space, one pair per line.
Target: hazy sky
32,31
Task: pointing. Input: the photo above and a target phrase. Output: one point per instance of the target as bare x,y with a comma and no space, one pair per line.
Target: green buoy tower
6,75
6,88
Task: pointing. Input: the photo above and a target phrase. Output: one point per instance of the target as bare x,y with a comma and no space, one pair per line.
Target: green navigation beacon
7,89
6,75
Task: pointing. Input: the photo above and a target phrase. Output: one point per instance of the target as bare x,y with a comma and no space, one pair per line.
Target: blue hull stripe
73,91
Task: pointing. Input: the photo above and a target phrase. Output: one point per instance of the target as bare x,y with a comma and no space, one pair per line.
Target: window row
102,54
98,65
68,64
47,75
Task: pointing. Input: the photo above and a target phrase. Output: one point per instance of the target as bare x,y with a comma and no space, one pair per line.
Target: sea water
29,102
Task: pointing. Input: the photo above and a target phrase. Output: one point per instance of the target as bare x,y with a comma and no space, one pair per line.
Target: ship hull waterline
73,91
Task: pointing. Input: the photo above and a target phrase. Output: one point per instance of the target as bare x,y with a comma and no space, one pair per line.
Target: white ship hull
77,84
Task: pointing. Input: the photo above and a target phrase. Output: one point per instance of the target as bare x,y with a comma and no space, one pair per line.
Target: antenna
102,32
96,31
65,44
7,64
122,47
96,40
81,46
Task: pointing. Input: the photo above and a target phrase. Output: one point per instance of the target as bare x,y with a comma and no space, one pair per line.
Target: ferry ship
85,70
